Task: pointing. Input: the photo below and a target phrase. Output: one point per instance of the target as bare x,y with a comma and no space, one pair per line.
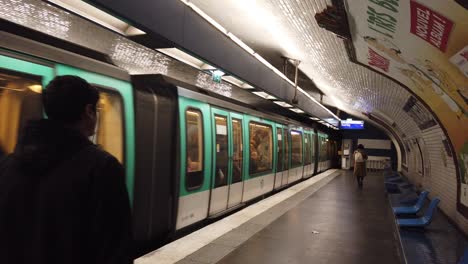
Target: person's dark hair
65,98
360,146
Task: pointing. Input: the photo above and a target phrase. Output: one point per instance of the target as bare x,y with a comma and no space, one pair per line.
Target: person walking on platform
360,158
63,199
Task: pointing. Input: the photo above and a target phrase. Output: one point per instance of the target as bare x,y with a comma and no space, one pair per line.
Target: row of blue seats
410,206
394,184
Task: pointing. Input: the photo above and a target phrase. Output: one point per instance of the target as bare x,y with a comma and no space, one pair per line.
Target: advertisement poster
423,44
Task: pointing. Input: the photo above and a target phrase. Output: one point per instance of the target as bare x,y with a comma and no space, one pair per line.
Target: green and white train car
189,155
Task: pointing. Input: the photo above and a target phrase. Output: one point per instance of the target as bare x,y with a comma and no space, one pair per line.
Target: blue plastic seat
422,221
414,208
395,180
392,188
392,177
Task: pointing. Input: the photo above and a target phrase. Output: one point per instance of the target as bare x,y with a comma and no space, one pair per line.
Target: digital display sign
352,124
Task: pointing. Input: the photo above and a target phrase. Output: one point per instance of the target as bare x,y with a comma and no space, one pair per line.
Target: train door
320,153
195,161
236,158
323,152
308,170
221,162
279,156
286,156
260,170
296,147
313,146
21,85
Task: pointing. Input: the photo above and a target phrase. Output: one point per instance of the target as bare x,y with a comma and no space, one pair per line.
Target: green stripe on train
46,73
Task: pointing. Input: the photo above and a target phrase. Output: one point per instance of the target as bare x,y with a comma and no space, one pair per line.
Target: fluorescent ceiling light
98,16
265,95
297,110
237,82
218,72
247,86
233,80
183,57
283,104
186,58
207,66
314,118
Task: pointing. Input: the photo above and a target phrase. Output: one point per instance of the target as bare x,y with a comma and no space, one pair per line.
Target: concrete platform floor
337,224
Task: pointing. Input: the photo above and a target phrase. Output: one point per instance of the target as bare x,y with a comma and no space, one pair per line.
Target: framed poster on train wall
423,45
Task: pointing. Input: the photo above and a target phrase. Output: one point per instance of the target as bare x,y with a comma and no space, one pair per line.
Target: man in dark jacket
62,199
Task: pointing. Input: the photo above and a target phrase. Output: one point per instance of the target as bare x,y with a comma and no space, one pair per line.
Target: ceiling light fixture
247,86
314,118
100,17
283,104
297,110
265,95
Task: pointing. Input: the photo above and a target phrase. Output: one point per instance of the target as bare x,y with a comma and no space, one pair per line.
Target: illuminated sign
352,124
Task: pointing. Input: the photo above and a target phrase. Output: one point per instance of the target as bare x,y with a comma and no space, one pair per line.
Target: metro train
189,154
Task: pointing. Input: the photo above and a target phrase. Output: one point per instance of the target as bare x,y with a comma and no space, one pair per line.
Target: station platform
325,219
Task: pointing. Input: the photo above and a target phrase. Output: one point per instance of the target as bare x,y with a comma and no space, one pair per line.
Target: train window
222,155
261,149
194,148
322,149
312,146
110,123
237,150
279,162
307,144
20,101
296,148
286,149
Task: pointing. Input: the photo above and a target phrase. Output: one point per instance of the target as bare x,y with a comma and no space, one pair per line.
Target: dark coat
62,200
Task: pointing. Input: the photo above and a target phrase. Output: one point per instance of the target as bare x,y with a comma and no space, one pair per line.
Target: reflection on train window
20,101
312,146
296,148
237,150
261,150
110,124
279,164
307,143
194,128
322,149
286,149
221,166
325,149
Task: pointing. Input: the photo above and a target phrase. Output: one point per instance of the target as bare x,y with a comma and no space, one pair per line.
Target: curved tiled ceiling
276,28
